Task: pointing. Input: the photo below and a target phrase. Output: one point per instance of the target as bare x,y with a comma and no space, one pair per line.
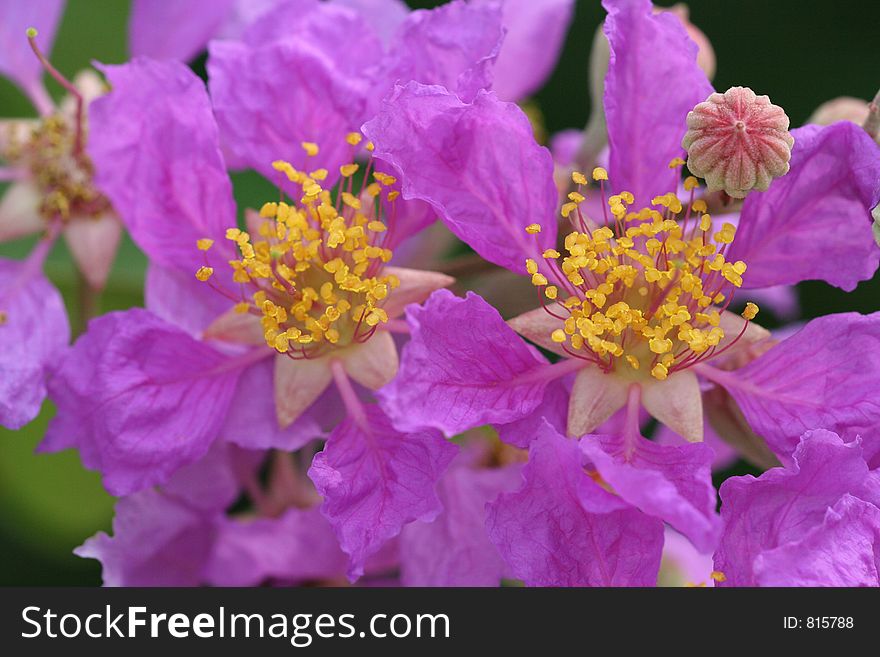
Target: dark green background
799,53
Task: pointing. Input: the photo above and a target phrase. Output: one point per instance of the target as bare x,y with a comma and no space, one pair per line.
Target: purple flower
637,304
814,523
51,192
244,352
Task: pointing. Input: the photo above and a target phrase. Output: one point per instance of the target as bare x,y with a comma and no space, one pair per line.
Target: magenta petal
375,480
213,482
826,376
154,143
554,409
157,541
33,335
653,81
296,547
673,483
463,367
843,551
139,398
532,45
384,16
815,222
454,46
783,505
454,549
171,29
17,60
477,164
562,529
308,101
178,297
252,421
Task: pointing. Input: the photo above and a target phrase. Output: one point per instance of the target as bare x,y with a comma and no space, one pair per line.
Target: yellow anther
718,576
354,138
377,227
568,208
751,311
551,253
242,307
633,361
533,229
370,147
538,280
319,174
579,178
348,170
575,197
531,266
558,336
676,162
551,292
699,205
204,244
660,346
691,183
705,223
600,174
204,273
393,195
660,372
310,147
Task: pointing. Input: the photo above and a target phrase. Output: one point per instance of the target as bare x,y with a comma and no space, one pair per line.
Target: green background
799,53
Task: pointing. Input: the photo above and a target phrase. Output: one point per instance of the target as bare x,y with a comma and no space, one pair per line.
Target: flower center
313,274
644,292
62,174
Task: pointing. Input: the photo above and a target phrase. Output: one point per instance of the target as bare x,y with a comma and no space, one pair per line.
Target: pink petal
233,326
93,243
372,364
677,403
416,285
298,383
536,326
595,397
19,214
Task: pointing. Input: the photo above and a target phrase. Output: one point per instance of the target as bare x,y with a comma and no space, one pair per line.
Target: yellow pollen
310,147
750,312
354,138
204,244
718,576
600,174
579,178
676,162
348,170
533,229
204,273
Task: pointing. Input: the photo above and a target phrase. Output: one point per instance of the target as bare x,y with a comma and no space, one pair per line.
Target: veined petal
815,222
537,326
595,397
477,164
298,383
824,376
653,81
232,326
375,480
677,403
139,398
416,285
93,242
673,483
463,367
562,529
33,335
153,140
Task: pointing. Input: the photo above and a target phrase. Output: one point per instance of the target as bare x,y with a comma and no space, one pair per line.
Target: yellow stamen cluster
640,293
314,272
63,177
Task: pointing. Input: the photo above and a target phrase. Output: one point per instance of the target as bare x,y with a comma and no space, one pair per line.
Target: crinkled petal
139,398
463,367
214,481
93,242
454,549
554,410
824,377
478,165
653,81
375,480
562,529
17,60
33,335
178,297
157,541
171,29
724,454
296,547
535,34
673,483
308,101
416,285
384,16
454,46
154,143
815,222
843,551
784,504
